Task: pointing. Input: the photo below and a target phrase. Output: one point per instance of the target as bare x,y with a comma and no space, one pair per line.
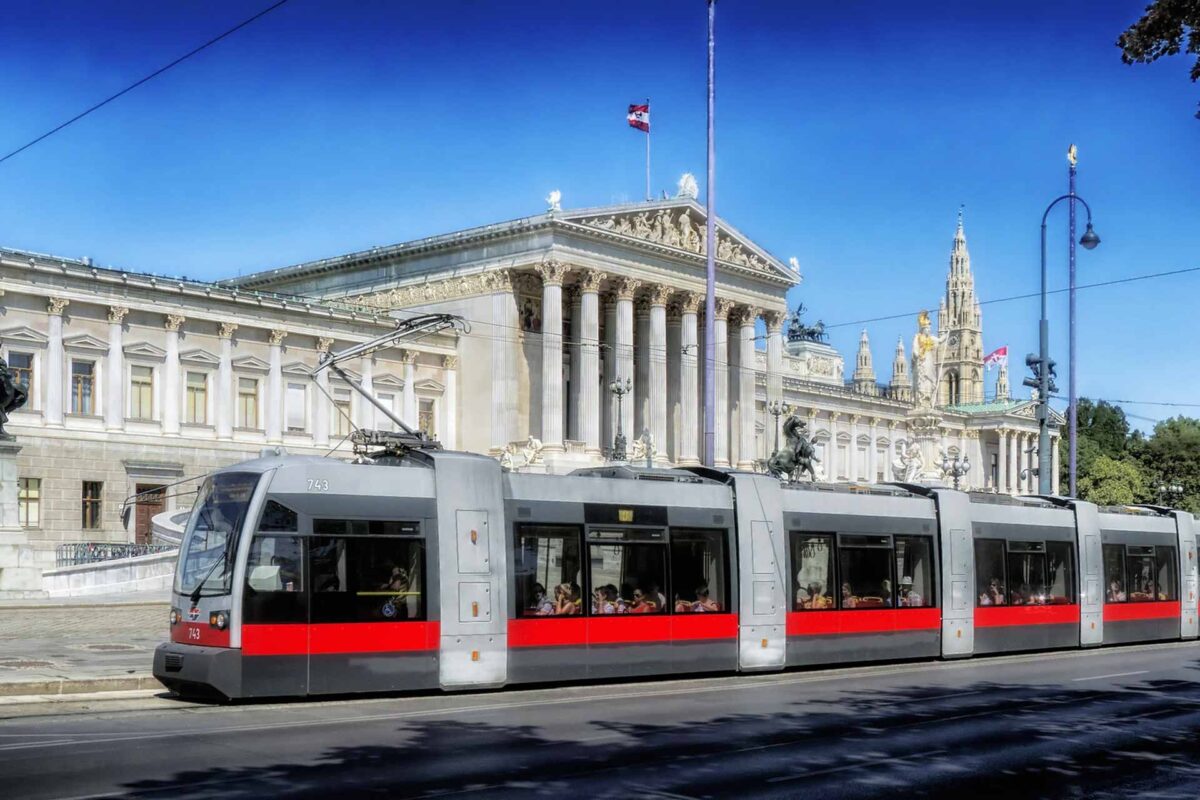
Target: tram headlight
174,616
219,620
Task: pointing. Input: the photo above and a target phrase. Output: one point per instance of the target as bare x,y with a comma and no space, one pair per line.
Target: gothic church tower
960,322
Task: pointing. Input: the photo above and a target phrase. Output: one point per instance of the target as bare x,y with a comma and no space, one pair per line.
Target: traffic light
1035,366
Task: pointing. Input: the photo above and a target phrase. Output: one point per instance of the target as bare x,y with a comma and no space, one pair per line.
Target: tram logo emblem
193,613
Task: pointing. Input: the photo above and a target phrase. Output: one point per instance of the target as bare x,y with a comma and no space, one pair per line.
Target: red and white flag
639,117
997,356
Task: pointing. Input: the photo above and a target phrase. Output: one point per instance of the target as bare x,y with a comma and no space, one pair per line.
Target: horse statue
12,397
797,456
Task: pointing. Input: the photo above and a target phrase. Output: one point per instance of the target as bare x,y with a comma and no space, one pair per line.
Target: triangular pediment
85,341
251,364
25,335
429,385
202,357
145,350
679,225
387,379
297,368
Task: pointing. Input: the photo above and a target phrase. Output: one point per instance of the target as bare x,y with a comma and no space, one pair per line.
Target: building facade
139,381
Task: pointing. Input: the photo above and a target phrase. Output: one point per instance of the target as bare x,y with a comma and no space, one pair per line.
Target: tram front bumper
189,669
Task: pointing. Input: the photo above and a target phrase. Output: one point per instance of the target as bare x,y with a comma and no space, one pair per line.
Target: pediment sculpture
676,228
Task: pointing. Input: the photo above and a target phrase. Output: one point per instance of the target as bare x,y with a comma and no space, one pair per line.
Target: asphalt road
1118,723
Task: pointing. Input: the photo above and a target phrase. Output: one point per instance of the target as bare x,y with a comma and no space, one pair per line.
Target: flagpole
710,247
648,198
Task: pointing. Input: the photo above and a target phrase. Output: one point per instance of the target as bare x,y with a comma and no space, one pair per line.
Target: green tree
1171,457
1161,32
1110,482
1103,430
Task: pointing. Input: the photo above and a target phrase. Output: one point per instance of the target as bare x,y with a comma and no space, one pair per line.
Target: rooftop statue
797,455
799,332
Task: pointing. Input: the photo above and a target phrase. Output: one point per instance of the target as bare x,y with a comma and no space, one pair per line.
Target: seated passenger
682,606
1115,593
643,603
848,599
703,603
909,598
542,605
996,590
655,594
397,582
571,602
885,591
985,599
817,598
607,600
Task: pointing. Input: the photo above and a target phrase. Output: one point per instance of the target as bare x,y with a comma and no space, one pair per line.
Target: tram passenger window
914,572
1060,573
1140,574
1026,574
812,559
549,571
1114,573
989,573
278,519
698,571
629,579
866,571
367,579
275,564
1165,556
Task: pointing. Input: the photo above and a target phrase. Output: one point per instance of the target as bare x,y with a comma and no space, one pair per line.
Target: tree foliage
1171,457
1163,31
1110,482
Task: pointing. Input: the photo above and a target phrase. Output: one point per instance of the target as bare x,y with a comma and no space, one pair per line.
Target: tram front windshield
211,546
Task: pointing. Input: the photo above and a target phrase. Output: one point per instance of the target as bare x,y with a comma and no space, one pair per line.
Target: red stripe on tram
335,638
620,629
828,623
199,633
1125,612
1005,616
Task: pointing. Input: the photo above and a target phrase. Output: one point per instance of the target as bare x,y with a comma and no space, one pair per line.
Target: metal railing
74,553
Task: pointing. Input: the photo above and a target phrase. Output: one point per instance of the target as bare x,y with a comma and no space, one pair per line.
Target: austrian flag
997,356
639,117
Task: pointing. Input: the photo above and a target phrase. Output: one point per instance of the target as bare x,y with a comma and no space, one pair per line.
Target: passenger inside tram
542,605
1116,594
704,603
566,600
644,603
909,597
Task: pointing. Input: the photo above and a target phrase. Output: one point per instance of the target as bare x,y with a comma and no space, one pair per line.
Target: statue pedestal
20,577
925,428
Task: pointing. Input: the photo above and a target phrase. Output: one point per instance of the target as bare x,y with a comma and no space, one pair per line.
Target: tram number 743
318,485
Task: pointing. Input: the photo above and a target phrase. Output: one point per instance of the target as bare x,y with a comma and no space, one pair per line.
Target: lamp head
1089,240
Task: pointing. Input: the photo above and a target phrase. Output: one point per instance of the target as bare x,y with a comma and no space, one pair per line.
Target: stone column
588,410
1031,464
624,352
833,466
223,402
641,367
608,403
322,405
273,411
1014,462
365,418
172,396
504,359
746,385
450,412
774,320
1002,461
55,363
409,402
888,468
114,395
688,435
657,387
853,469
552,273
872,450
572,346
721,368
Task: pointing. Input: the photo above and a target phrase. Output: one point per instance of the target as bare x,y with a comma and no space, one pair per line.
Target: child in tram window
542,606
703,603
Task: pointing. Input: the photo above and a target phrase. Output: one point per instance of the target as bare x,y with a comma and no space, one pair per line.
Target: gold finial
1072,156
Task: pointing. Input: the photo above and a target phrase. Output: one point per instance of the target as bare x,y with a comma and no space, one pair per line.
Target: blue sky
848,135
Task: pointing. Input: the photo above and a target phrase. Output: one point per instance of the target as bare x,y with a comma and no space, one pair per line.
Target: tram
423,569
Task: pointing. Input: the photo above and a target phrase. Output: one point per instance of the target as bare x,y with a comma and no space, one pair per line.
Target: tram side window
1165,557
812,558
866,571
914,571
1026,573
549,571
698,571
1114,573
990,587
628,578
275,580
277,518
1140,574
1060,571
367,579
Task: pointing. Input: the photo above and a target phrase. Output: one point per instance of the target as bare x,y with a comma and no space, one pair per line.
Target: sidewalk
76,645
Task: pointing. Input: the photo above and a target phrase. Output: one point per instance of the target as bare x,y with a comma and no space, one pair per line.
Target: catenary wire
146,79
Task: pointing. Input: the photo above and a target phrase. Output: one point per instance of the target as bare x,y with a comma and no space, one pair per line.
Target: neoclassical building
137,381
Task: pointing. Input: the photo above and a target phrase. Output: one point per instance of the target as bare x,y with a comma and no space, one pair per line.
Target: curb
81,602
62,686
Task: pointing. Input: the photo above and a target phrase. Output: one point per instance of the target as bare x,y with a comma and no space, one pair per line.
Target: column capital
812,413
689,302
552,272
743,315
891,424
590,280
721,308
872,421
409,356
499,280
658,294
625,287
276,336
774,320
226,329
450,362
855,419
174,322
324,343
117,314
834,416
55,305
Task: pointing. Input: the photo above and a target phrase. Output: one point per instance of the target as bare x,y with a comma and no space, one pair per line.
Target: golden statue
925,342
1072,156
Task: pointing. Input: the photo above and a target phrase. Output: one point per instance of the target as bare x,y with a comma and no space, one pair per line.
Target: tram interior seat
265,578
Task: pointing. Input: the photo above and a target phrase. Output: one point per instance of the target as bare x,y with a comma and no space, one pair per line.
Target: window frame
1118,548
889,548
91,508
605,535
318,616
189,393
670,590
94,387
563,530
25,502
31,377
141,392
244,421
930,599
833,589
1003,543
288,399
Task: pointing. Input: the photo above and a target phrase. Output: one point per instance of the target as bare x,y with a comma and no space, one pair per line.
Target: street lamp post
620,390
1042,365
955,467
777,409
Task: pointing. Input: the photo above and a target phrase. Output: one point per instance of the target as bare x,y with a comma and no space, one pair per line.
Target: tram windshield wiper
197,592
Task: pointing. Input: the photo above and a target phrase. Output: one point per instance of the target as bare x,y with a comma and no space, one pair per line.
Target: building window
388,401
21,367
341,412
196,401
141,392
91,504
427,418
29,502
83,379
297,407
247,411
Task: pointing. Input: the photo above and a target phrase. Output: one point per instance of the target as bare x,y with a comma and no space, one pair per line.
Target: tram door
1188,622
1091,575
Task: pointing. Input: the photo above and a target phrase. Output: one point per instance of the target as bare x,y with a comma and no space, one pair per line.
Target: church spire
864,370
901,384
960,322
1002,382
